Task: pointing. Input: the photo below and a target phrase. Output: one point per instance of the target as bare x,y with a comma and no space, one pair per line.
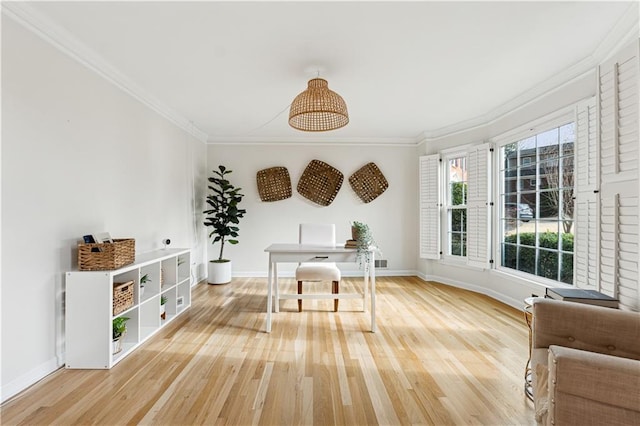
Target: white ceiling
405,69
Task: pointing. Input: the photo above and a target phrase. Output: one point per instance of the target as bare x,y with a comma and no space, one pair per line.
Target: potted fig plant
223,216
119,330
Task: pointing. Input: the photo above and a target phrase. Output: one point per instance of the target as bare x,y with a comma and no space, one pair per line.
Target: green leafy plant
119,327
224,214
361,233
144,279
163,300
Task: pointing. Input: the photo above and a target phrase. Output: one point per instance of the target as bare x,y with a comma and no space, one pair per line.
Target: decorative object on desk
119,326
361,234
163,302
122,296
351,244
320,182
223,216
274,184
590,297
368,182
108,256
144,280
166,242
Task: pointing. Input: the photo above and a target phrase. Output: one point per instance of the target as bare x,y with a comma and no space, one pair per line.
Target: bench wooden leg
335,290
299,292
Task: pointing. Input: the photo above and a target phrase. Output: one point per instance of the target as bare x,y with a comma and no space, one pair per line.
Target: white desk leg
269,295
372,271
366,287
277,286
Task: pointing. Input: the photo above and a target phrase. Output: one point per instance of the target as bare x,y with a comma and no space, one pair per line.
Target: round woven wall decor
274,184
320,182
368,182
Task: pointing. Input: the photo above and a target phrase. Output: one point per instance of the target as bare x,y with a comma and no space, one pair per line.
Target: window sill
529,279
458,263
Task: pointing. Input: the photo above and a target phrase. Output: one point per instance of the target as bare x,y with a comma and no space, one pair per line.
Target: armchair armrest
592,388
590,328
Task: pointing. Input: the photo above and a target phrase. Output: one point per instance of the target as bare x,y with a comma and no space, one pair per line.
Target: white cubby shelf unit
89,306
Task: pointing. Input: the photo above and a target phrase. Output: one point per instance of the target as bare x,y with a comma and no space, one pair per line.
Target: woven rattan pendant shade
318,109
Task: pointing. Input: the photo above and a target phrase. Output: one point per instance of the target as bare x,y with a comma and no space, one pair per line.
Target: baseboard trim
23,382
515,303
345,273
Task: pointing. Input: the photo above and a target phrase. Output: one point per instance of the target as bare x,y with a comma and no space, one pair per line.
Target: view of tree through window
457,206
537,204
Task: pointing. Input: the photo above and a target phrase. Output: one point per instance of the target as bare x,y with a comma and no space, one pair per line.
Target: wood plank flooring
441,356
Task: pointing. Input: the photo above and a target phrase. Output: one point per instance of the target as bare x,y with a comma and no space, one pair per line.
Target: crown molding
626,30
34,21
313,141
547,87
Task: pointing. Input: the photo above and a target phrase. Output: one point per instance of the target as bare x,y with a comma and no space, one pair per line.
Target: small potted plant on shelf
163,312
144,280
119,330
363,237
223,216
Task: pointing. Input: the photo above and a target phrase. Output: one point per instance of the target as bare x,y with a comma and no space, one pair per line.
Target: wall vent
380,263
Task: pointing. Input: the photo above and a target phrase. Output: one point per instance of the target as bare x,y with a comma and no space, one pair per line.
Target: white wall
508,288
78,156
391,217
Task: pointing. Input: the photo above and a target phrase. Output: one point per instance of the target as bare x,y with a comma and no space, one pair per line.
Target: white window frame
444,220
479,245
547,122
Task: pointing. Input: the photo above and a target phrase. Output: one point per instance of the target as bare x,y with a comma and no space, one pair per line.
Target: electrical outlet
380,263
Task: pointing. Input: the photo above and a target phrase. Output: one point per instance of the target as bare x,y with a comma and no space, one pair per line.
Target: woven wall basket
274,184
320,182
368,182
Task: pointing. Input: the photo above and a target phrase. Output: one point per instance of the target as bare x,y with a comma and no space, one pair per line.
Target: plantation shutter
479,206
619,149
430,207
586,200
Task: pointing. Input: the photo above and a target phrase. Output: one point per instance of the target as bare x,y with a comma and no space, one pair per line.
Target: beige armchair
586,364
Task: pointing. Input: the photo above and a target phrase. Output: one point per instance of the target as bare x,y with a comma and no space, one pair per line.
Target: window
536,221
456,199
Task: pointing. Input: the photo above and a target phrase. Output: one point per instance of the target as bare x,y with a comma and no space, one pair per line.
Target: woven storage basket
122,296
274,184
109,256
320,182
368,182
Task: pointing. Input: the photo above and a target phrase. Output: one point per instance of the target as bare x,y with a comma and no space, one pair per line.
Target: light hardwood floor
441,356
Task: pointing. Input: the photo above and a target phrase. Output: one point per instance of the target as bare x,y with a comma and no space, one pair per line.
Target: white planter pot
117,345
219,272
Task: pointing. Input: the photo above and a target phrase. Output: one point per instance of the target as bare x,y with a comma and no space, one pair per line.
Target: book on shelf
579,295
351,244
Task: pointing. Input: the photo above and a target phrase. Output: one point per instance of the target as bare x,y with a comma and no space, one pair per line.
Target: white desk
297,253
